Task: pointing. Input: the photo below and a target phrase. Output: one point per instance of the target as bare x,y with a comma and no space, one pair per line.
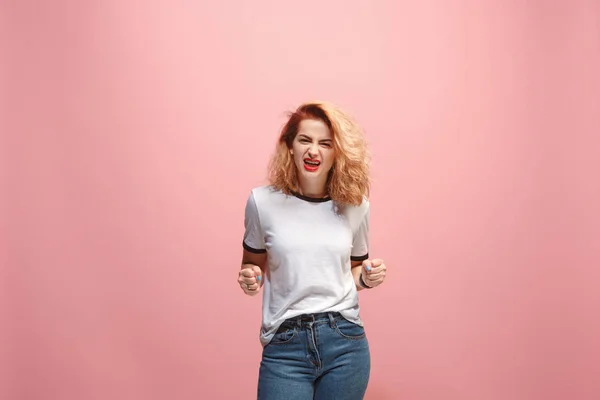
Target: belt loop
331,320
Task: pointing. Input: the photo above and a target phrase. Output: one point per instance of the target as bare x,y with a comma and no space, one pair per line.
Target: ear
292,151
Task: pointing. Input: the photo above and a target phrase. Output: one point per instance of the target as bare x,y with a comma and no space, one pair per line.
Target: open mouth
311,165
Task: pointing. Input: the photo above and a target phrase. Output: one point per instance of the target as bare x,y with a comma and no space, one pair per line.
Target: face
312,150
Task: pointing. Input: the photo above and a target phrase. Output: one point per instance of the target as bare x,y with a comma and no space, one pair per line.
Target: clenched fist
250,279
373,272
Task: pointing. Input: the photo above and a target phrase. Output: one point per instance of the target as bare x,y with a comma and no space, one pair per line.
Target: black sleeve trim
360,258
252,249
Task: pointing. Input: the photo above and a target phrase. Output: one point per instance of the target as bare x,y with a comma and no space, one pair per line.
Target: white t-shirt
310,243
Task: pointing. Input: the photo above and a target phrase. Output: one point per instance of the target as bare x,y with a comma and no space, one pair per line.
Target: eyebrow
309,138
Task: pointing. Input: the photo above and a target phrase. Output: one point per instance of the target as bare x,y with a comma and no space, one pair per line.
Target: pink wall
124,188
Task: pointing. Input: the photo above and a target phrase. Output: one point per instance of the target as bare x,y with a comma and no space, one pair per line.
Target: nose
313,150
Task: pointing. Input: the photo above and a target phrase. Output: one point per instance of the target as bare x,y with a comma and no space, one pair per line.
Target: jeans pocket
284,334
349,330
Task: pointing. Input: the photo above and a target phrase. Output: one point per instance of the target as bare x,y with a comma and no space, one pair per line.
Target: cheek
330,157
298,157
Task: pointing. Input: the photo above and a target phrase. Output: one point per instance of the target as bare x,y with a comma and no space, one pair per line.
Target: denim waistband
312,318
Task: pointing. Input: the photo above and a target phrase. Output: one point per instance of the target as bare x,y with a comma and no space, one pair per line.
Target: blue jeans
319,356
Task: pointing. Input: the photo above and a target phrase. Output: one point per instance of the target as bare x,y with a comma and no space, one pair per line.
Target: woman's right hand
250,279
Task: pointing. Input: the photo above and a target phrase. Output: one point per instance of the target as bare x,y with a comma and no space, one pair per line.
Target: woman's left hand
373,272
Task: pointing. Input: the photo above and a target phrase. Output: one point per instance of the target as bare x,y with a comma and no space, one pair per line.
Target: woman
306,245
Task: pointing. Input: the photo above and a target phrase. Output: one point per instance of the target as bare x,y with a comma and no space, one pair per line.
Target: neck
312,189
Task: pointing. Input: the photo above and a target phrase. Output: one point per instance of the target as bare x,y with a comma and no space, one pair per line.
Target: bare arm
251,259
356,271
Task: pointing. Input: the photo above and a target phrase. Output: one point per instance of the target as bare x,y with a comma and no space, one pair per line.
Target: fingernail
258,278
368,267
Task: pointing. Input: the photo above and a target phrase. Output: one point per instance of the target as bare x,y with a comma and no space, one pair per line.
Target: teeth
312,162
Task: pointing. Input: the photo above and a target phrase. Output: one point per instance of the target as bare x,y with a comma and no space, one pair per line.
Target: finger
248,272
376,262
367,266
249,281
377,270
253,287
374,277
257,272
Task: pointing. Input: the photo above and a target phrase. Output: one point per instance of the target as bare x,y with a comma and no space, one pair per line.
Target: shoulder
264,195
357,214
365,205
265,191
359,210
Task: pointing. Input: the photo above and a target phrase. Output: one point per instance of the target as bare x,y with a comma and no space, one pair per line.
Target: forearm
248,264
253,259
356,271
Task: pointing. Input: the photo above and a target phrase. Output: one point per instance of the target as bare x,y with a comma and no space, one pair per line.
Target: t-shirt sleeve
253,240
360,244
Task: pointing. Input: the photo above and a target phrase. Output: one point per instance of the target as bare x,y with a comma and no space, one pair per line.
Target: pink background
132,132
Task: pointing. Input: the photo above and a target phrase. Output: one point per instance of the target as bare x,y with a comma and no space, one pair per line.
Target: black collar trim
311,199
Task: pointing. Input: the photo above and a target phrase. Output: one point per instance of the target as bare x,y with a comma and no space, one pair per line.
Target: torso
309,244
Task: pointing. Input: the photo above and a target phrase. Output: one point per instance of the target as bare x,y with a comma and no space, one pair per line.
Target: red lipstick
311,165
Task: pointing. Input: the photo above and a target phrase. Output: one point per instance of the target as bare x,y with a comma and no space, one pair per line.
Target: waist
310,319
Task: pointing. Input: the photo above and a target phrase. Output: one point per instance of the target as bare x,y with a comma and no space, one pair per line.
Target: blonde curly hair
348,181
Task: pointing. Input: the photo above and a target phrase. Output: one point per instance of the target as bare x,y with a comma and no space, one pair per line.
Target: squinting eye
326,145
